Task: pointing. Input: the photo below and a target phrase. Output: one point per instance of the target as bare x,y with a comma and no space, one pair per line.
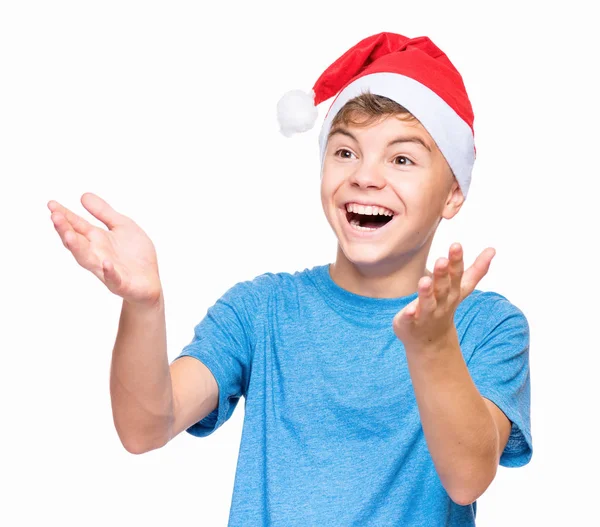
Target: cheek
425,208
326,195
334,170
329,185
417,188
418,200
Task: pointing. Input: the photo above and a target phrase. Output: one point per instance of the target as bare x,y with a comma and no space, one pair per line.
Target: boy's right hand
122,257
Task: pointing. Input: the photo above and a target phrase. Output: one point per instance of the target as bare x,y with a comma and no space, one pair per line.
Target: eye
405,159
343,151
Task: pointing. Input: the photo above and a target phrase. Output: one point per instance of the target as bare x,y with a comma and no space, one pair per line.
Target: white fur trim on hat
450,132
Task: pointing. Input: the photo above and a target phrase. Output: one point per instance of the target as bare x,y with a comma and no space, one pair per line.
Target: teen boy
376,392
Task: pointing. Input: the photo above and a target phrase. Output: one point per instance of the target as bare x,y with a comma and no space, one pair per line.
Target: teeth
356,225
368,209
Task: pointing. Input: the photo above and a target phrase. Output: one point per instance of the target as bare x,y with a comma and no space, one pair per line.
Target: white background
167,111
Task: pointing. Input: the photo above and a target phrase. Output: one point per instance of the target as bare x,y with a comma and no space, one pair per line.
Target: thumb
111,275
406,314
102,210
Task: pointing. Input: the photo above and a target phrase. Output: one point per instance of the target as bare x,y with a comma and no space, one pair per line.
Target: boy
377,393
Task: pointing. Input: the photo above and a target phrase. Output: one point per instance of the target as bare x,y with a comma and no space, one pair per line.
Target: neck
389,279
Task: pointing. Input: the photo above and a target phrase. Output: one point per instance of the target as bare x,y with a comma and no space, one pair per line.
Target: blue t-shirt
331,433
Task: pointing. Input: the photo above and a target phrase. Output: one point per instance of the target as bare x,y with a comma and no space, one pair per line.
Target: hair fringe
367,108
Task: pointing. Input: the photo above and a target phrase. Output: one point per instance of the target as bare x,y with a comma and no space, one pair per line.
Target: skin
418,186
465,432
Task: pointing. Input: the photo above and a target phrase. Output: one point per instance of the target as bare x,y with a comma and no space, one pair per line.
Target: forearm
460,431
140,379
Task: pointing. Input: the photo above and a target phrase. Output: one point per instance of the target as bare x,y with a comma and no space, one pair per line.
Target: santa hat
415,73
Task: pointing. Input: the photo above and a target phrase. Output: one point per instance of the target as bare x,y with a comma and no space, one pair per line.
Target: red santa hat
415,73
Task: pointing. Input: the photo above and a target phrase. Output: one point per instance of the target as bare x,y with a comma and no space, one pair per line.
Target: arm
151,401
140,381
465,433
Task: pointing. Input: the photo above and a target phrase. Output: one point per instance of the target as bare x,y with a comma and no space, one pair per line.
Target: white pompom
296,112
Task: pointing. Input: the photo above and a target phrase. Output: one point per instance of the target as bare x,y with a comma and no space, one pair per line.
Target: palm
131,253
122,257
430,316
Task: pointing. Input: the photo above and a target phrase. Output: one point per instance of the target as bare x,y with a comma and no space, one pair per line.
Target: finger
441,280
406,315
63,227
427,302
477,271
411,308
102,210
111,275
455,267
77,222
75,242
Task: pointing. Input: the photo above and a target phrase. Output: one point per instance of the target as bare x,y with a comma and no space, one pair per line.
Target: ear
454,201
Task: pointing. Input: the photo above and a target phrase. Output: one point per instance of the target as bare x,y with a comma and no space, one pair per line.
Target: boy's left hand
429,319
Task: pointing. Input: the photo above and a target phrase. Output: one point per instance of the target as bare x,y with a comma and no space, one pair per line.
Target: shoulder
490,305
486,313
261,289
285,281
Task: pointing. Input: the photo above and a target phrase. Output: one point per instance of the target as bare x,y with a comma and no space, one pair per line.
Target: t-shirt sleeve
224,342
499,367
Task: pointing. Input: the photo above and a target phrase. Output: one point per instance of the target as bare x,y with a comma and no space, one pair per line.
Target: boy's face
369,165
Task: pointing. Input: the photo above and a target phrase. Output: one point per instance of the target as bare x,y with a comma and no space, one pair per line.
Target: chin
365,256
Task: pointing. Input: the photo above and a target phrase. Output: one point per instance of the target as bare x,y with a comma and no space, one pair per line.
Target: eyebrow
404,139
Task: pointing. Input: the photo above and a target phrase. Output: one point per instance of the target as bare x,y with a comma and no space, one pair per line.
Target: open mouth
367,222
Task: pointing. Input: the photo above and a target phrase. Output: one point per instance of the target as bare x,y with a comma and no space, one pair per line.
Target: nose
366,175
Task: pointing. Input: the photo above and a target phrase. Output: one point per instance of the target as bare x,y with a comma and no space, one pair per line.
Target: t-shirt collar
379,310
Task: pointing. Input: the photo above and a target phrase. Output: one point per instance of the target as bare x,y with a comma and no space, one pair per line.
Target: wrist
153,302
435,344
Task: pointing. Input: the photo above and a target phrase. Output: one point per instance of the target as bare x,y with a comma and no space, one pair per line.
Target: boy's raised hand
122,257
429,318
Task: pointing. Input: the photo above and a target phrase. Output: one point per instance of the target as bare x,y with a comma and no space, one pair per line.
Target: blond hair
367,108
